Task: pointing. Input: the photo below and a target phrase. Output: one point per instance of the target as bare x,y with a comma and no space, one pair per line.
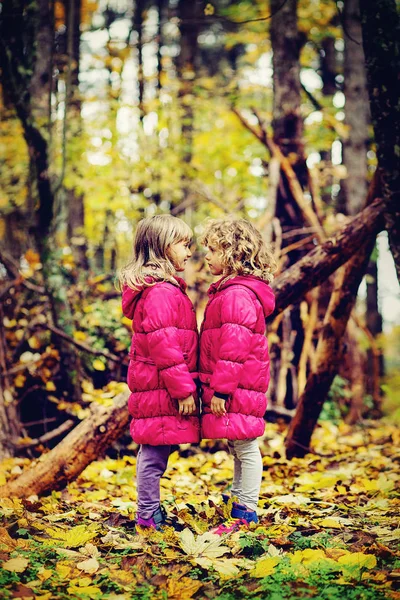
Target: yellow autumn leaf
63,570
307,556
16,565
50,387
34,342
330,522
225,567
265,566
126,321
316,481
91,565
72,538
183,588
356,561
80,336
90,590
207,545
122,577
98,365
44,574
19,381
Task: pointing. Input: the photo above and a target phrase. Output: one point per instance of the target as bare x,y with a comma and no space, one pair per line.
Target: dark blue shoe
240,511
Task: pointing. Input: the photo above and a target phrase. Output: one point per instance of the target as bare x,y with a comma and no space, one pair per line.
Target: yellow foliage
98,365
265,566
73,538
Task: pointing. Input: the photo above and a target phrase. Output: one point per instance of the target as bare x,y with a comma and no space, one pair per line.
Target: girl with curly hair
234,360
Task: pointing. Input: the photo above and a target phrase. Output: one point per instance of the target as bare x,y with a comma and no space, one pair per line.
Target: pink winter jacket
234,357
163,363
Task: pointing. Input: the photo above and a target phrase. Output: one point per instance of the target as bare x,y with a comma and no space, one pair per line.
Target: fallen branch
317,265
46,437
291,176
81,345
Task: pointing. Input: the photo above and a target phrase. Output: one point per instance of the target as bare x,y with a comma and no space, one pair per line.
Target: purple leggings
151,463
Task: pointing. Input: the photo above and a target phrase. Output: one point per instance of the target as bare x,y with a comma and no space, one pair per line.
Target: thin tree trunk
138,27
381,41
186,67
75,199
287,126
357,115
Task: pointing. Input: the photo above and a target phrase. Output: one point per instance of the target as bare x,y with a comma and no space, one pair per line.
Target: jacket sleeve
238,317
161,314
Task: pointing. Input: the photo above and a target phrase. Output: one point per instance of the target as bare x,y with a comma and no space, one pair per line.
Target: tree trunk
287,126
186,67
75,200
357,119
84,444
329,353
375,362
138,27
357,115
381,40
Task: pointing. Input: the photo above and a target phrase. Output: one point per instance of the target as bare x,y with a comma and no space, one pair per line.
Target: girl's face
179,253
214,260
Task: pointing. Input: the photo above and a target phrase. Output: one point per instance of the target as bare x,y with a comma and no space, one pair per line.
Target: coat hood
257,285
131,296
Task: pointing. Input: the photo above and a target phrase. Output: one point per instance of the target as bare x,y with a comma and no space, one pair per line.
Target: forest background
285,113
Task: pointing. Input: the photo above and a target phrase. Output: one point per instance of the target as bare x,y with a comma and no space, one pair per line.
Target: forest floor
328,527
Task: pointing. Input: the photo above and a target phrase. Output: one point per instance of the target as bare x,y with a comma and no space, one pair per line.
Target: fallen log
104,426
83,445
329,352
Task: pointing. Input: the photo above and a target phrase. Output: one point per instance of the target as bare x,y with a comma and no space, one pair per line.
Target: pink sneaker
229,526
240,516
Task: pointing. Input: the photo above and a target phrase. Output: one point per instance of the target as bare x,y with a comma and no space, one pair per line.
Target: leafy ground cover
328,527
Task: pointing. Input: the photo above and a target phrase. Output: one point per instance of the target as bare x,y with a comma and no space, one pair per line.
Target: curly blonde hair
243,250
153,237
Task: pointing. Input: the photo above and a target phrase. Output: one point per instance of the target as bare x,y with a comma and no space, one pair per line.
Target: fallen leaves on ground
328,527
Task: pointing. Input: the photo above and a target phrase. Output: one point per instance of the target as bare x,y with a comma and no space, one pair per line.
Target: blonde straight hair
243,250
153,236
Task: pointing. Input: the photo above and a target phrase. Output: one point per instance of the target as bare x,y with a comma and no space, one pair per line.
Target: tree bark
329,352
75,199
357,115
381,40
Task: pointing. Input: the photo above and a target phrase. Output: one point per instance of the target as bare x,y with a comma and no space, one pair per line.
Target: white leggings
247,471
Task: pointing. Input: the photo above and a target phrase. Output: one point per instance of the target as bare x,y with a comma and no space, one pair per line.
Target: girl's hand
187,406
218,406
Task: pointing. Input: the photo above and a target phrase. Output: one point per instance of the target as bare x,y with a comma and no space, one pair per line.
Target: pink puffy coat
163,363
234,357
